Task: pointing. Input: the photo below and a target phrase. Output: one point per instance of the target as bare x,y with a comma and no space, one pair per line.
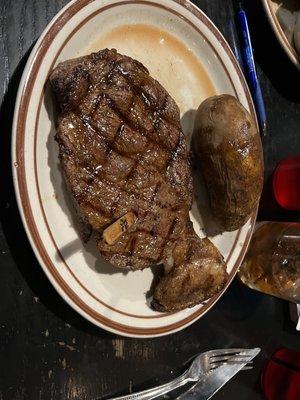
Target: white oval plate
271,8
188,55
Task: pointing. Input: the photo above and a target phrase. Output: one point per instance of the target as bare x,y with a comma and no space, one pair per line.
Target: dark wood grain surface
47,351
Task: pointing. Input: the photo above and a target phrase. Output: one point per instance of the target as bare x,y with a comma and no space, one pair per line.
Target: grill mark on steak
145,99
133,169
96,104
110,73
170,231
92,206
157,114
154,195
114,205
120,130
132,245
174,153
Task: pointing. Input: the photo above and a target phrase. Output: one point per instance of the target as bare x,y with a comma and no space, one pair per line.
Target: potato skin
228,147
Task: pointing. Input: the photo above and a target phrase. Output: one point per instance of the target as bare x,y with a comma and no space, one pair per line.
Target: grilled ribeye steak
122,149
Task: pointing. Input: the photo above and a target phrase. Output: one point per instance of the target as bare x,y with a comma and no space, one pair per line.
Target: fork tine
247,367
217,364
234,357
217,352
249,364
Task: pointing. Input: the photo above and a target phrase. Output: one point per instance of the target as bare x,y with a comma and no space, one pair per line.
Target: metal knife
214,380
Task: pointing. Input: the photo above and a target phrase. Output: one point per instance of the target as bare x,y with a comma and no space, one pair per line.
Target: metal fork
202,364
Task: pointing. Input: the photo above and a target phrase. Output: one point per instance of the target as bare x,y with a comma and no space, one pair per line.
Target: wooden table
47,351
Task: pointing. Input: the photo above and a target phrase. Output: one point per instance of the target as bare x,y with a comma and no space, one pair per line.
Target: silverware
214,380
202,364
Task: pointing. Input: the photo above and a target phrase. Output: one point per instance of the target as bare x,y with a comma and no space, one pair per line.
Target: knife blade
214,380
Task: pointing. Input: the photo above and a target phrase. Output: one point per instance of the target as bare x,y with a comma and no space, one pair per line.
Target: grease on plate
168,60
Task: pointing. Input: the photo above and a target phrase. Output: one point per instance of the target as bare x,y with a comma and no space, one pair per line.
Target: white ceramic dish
271,8
188,55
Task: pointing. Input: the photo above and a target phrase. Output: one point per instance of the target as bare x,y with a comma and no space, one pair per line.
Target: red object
286,183
281,376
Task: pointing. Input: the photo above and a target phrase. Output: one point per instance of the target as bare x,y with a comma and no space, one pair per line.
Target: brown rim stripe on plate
21,176
36,174
281,33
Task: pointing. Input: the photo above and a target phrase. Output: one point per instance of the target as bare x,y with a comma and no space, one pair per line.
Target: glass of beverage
272,263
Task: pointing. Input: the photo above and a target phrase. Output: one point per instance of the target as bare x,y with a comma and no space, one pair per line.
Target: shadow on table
269,54
158,380
12,225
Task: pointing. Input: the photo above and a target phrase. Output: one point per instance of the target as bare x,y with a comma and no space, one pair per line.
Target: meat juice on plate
168,60
272,263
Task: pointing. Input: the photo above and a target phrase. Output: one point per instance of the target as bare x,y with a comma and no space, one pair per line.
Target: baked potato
228,148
